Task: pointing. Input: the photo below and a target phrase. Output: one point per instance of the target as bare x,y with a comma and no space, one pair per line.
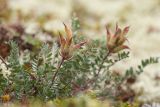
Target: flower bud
115,42
66,46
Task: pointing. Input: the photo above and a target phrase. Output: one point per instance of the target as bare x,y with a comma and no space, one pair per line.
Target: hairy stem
101,65
59,66
99,70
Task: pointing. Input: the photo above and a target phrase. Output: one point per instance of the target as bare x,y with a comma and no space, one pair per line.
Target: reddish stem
101,65
59,66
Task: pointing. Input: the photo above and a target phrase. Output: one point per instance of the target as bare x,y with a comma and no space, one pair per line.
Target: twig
101,65
59,66
4,62
99,70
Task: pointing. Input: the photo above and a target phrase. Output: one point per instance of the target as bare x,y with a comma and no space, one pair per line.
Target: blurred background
143,17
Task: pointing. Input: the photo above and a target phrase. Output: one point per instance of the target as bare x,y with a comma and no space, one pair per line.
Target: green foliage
13,58
144,63
32,73
3,82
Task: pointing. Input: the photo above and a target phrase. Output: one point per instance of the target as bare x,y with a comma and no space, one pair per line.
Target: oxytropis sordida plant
67,47
64,69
